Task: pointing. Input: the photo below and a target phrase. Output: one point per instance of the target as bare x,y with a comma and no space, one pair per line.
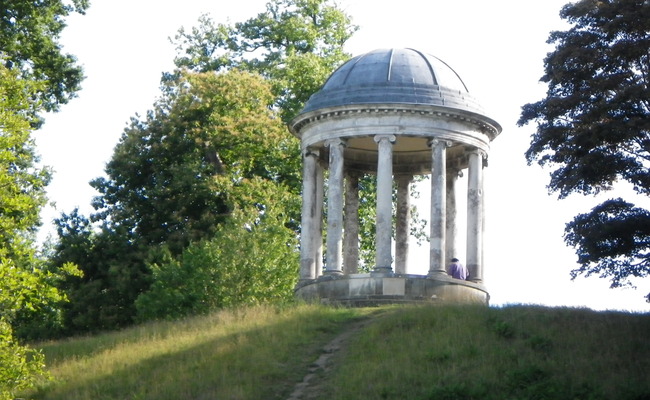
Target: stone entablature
387,116
414,126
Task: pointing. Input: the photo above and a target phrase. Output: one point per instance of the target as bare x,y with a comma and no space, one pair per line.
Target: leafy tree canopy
294,43
612,241
161,179
29,33
22,184
593,129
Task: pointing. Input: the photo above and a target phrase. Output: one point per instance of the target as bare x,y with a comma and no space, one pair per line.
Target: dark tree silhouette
593,129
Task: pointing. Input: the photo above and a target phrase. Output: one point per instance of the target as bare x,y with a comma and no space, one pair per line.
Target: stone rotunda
395,113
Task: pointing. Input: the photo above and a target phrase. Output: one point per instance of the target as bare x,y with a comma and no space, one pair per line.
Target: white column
335,208
308,222
403,219
451,236
484,177
475,216
437,244
351,224
318,226
384,217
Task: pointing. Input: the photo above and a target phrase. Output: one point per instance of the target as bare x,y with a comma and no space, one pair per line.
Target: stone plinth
377,288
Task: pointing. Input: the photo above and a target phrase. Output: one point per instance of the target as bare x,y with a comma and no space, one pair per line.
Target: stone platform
361,290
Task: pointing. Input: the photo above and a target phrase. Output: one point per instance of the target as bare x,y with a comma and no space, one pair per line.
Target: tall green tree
219,119
35,76
21,195
593,129
161,186
165,189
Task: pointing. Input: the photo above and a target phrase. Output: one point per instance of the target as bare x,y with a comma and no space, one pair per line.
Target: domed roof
394,76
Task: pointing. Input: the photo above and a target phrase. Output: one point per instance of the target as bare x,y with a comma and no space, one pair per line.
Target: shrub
245,263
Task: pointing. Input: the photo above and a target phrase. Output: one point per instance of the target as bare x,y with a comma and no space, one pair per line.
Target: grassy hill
412,352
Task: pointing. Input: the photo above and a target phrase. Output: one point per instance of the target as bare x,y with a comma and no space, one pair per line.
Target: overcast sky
497,47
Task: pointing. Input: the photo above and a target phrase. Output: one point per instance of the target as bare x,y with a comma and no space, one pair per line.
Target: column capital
390,138
311,152
481,153
335,142
476,150
435,142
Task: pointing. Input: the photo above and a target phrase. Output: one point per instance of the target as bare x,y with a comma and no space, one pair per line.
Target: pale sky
497,47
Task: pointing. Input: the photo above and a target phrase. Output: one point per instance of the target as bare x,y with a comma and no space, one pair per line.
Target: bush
20,367
245,263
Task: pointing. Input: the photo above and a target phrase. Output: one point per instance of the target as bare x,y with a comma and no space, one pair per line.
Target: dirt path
311,386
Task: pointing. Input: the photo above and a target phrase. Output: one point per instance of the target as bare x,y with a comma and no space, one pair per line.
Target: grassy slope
510,353
405,353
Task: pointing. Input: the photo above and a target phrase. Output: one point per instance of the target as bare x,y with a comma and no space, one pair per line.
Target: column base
364,290
437,273
382,271
329,272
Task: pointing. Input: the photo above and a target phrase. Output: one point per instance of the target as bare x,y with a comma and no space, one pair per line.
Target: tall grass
406,352
521,352
248,353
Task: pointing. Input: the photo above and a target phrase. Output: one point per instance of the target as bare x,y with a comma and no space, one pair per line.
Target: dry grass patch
248,353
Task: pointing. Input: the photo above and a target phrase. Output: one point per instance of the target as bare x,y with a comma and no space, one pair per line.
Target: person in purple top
457,270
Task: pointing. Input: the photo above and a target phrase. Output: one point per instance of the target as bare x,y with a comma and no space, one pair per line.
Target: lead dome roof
394,76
